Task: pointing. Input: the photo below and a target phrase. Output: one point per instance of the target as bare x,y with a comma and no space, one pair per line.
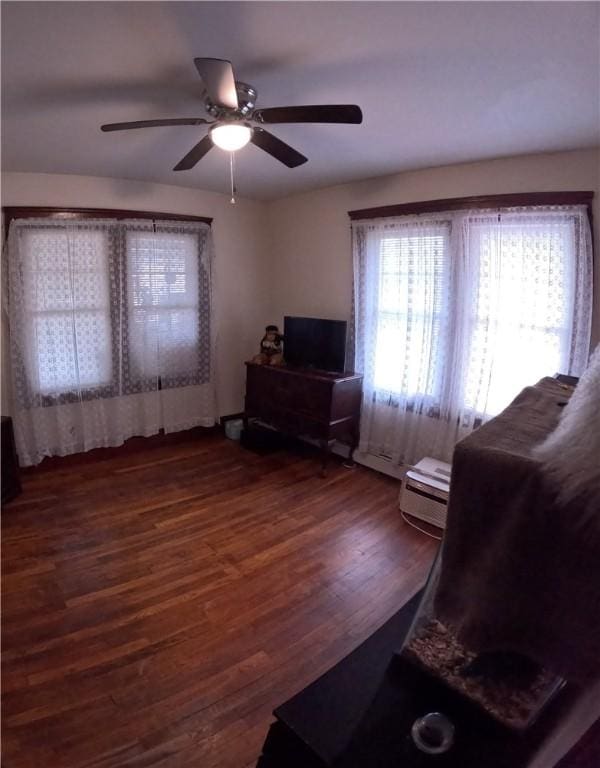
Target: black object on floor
359,714
11,483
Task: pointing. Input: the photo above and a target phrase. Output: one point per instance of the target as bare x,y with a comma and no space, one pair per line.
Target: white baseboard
378,463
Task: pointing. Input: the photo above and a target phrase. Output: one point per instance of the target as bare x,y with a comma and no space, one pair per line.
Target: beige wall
241,267
293,256
310,242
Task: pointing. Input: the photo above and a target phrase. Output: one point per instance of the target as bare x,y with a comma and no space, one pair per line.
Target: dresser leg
350,463
326,446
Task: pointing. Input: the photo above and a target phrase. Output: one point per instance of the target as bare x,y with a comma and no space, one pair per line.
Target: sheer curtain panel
99,327
170,332
455,313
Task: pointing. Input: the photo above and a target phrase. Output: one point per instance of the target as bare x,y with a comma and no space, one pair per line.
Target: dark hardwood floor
158,603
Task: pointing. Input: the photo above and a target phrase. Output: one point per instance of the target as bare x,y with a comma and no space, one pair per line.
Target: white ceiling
438,83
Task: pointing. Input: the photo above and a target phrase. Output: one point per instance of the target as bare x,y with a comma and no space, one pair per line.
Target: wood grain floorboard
158,603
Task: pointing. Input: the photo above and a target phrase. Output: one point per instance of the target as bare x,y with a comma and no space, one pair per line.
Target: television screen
309,342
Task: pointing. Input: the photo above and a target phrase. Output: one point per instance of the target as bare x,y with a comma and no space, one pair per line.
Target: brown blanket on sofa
519,572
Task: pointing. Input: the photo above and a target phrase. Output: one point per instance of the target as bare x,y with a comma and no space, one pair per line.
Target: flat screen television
309,342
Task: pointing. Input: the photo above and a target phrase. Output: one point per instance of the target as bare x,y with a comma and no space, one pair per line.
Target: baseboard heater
424,491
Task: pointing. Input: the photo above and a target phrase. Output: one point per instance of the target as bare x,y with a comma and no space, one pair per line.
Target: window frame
427,398
512,200
128,385
134,382
449,205
67,393
11,212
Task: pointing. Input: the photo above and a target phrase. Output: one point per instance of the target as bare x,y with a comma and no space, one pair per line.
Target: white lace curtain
455,313
110,332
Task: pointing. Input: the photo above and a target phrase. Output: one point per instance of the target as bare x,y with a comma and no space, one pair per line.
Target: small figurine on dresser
271,352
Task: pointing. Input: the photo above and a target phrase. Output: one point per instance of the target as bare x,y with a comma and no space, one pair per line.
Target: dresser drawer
311,397
294,422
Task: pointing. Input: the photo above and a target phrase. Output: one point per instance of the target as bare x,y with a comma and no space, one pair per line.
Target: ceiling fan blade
195,154
277,148
217,76
153,123
316,113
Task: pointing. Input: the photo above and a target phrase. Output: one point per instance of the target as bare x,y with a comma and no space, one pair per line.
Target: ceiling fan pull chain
232,201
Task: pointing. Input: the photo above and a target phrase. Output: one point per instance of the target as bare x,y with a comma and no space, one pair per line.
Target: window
67,309
105,306
413,311
517,297
522,310
163,302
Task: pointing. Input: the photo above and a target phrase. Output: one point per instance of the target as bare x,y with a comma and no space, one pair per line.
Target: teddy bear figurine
270,348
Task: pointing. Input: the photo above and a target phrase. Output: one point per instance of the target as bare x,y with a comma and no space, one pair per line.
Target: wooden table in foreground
360,713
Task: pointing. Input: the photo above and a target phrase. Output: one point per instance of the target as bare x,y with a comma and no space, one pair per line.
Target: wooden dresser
324,406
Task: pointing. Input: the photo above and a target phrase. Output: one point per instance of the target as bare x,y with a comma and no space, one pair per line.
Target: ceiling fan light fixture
231,136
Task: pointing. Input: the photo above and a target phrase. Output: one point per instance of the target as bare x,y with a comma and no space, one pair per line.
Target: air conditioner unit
424,491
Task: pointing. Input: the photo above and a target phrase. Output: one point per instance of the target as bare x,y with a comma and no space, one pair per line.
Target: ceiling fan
236,122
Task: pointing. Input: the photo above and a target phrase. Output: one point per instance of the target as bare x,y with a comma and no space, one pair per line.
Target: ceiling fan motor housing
246,95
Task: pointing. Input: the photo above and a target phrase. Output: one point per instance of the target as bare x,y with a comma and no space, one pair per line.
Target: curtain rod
481,201
74,214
